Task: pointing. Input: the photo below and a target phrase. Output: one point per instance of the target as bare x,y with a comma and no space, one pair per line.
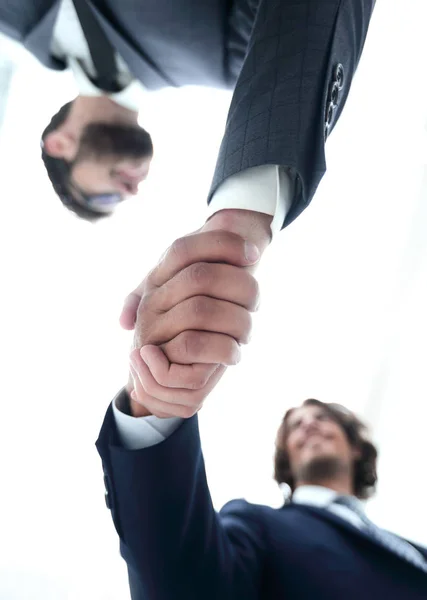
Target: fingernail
251,252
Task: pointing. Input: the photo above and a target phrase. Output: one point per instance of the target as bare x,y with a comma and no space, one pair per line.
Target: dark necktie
101,50
390,541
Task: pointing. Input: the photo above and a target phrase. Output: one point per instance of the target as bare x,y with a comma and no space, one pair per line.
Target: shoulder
241,509
292,514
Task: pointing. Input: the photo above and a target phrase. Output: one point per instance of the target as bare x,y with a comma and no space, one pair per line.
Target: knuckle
193,343
200,380
179,248
144,303
200,306
145,313
224,222
199,274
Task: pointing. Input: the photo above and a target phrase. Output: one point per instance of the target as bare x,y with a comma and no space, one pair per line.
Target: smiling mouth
314,436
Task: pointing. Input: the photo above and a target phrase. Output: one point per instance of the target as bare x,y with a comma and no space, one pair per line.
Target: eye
295,424
323,417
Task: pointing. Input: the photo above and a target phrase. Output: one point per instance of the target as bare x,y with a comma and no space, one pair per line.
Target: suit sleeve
295,78
267,189
175,544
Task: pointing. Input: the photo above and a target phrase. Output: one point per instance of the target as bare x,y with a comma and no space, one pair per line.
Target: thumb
173,375
130,308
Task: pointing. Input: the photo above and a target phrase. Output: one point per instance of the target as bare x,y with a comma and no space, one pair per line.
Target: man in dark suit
290,65
195,311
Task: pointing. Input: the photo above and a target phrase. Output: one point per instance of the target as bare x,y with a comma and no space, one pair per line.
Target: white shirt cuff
267,189
136,433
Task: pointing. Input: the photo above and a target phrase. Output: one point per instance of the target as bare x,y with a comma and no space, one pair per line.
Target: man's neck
100,109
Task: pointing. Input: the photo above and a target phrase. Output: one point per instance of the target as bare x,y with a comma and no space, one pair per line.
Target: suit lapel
327,515
139,63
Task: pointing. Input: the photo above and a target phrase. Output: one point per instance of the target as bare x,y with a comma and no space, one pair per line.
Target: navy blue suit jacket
177,547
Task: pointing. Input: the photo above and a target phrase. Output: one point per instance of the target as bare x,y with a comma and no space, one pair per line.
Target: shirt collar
129,97
319,496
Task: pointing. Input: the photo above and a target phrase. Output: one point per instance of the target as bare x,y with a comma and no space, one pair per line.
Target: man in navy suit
193,315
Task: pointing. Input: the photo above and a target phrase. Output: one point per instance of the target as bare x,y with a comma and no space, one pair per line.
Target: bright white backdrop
342,317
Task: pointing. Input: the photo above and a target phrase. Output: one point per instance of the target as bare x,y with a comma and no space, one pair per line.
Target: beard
321,468
118,142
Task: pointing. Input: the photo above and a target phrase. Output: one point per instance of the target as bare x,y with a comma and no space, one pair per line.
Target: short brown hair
58,171
365,467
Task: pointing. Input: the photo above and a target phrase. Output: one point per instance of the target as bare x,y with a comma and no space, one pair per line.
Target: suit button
335,91
329,114
107,495
328,118
339,76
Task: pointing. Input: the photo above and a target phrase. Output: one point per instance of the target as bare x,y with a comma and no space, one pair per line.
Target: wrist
136,409
250,225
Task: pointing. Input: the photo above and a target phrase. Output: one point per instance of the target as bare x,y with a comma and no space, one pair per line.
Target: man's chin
320,466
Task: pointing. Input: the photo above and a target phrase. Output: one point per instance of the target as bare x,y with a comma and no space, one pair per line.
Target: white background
343,315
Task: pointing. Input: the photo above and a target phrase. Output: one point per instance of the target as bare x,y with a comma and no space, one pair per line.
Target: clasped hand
190,315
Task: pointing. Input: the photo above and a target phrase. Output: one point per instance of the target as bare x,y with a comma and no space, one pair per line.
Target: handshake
192,313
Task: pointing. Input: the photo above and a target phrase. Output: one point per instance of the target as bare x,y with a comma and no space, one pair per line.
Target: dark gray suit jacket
290,63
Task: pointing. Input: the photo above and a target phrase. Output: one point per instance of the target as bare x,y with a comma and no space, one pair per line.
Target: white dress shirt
322,497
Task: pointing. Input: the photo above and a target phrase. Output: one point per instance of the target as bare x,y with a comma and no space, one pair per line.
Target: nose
133,188
128,187
309,424
128,179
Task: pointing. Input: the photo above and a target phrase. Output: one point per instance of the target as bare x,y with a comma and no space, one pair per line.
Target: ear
59,144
